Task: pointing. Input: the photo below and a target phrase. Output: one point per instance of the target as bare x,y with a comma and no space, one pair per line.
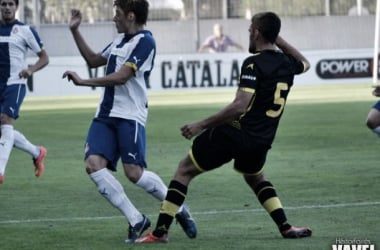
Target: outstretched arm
289,49
117,78
231,112
93,59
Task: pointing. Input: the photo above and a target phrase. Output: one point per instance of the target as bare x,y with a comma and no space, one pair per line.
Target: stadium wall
306,33
339,49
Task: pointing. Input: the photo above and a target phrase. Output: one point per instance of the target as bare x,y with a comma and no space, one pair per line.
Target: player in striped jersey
15,40
118,129
373,118
244,130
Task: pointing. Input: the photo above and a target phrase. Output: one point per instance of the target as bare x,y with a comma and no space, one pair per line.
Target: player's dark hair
139,7
16,2
269,25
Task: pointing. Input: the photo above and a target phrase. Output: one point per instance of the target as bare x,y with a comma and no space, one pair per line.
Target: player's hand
76,19
72,76
190,130
25,73
376,91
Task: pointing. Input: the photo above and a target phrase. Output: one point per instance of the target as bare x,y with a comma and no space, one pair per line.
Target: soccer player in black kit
244,130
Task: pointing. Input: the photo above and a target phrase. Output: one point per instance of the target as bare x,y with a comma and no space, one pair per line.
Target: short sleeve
33,40
248,75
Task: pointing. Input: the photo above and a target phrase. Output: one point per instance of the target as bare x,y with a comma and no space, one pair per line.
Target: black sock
174,199
267,196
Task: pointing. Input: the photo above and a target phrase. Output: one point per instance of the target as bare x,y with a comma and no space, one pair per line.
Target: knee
133,172
185,168
373,119
254,180
90,168
5,119
371,123
186,171
95,163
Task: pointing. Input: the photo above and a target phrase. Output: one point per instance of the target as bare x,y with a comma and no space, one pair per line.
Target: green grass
324,165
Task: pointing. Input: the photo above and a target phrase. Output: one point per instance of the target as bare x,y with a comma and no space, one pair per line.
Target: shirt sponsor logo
247,77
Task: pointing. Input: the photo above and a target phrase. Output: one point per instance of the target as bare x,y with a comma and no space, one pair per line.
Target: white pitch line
213,212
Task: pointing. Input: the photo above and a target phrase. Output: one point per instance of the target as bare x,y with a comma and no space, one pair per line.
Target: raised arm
289,49
93,59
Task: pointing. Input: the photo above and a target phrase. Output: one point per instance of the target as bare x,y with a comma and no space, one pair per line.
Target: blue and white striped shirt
129,101
15,40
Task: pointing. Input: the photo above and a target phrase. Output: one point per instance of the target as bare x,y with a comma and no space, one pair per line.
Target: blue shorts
11,98
113,138
377,105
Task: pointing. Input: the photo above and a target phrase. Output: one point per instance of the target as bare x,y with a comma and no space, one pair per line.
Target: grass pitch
324,164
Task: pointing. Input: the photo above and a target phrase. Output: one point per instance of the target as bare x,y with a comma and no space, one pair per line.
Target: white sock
23,144
6,145
153,184
377,131
113,191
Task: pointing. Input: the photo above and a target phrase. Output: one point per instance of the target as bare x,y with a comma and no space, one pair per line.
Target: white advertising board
201,70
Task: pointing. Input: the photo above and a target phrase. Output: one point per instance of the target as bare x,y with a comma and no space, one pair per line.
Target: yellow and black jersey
269,75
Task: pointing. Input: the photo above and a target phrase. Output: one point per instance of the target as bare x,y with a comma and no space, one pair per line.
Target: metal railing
58,11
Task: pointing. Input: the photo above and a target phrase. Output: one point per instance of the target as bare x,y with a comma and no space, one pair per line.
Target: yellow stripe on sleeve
131,65
248,90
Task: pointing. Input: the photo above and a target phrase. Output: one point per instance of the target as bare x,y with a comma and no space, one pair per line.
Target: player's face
8,10
120,20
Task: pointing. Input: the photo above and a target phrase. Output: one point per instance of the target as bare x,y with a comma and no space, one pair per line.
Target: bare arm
43,60
93,59
289,49
117,78
229,113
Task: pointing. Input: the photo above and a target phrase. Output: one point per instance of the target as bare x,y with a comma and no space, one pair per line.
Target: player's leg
132,138
101,153
250,161
175,198
6,143
153,185
132,141
38,153
268,198
373,119
132,145
12,97
210,150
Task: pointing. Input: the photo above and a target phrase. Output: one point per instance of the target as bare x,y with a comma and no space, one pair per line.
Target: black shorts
217,146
